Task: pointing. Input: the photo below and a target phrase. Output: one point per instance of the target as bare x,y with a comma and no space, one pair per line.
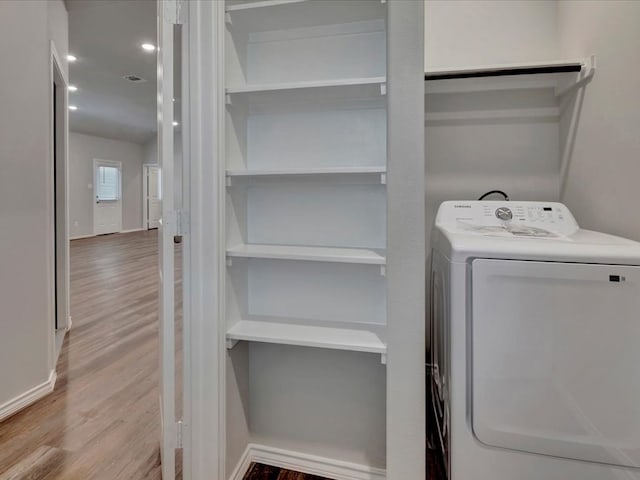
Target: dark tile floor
258,471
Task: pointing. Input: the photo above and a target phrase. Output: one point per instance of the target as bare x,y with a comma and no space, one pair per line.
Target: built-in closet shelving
306,168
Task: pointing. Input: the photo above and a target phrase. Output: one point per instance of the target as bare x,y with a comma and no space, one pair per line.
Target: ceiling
105,36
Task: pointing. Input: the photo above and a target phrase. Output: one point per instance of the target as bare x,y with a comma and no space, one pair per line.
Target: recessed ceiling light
175,124
73,107
72,88
72,58
149,47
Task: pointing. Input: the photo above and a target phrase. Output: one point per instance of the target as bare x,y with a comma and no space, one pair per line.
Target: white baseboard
16,404
304,463
131,230
79,237
243,465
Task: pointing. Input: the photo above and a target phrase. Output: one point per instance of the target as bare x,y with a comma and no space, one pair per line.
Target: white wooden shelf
260,4
270,15
563,76
306,171
379,82
306,336
312,254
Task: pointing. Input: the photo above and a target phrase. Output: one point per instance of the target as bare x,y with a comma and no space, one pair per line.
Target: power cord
491,192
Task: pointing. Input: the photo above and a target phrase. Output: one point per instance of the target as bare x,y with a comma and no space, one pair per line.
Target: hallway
102,420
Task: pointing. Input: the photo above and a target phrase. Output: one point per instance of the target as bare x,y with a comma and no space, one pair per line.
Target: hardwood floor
102,420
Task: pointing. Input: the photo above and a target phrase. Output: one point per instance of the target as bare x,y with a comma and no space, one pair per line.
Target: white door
107,204
167,229
555,359
154,197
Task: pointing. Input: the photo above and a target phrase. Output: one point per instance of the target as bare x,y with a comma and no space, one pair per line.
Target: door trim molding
304,463
25,399
58,199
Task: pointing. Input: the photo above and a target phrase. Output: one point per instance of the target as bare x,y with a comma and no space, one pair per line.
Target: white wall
602,187
82,150
344,390
26,228
484,32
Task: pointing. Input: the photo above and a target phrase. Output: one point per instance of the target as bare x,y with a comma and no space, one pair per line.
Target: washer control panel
537,219
504,213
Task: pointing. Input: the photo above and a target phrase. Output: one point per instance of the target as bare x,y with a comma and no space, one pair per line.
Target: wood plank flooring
102,420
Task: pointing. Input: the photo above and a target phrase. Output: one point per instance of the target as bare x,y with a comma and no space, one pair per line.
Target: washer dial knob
504,213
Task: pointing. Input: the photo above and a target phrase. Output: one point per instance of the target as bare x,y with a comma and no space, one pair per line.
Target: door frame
145,193
58,196
113,163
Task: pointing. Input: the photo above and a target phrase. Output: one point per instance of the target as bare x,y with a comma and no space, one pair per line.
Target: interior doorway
59,150
152,196
107,208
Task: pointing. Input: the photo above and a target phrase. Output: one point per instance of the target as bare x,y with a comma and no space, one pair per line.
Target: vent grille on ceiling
134,78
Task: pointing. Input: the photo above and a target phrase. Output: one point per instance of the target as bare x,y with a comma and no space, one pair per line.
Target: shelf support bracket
383,270
230,343
228,181
383,89
585,76
229,262
227,18
227,99
383,178
383,358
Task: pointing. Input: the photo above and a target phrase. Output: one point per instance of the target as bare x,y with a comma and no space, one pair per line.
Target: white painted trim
58,254
304,463
79,237
166,11
243,465
25,399
204,403
91,235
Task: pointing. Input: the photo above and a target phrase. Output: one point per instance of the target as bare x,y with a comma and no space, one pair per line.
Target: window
108,183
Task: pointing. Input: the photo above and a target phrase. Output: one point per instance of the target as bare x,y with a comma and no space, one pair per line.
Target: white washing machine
536,344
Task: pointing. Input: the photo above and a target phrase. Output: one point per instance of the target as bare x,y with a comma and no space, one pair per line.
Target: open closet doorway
96,414
60,212
152,196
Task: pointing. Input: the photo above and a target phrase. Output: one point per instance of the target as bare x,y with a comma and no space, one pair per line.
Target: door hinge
179,433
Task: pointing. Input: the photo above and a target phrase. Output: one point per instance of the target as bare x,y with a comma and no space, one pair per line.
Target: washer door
556,359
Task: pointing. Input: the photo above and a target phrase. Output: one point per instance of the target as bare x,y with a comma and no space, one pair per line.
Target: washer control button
504,213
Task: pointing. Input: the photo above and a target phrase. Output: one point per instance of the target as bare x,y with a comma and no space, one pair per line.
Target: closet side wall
604,167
